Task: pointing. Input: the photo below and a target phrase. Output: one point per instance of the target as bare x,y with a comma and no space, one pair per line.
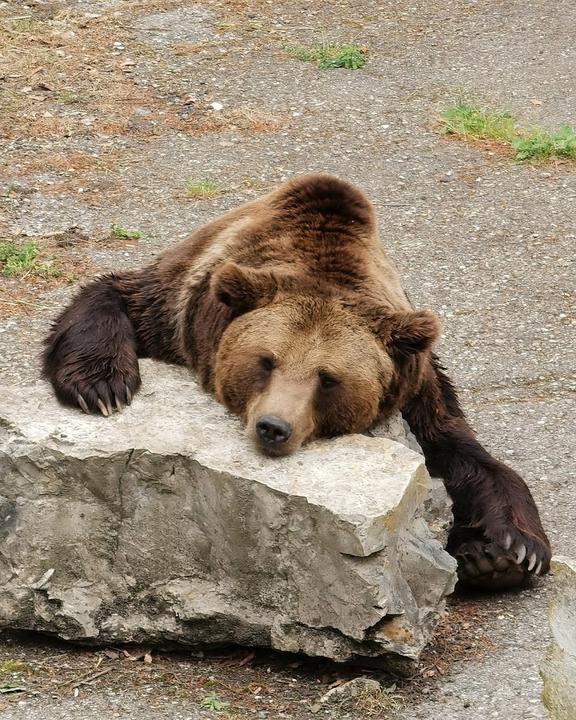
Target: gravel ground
483,241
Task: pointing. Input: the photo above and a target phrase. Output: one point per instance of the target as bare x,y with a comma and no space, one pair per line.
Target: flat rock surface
483,241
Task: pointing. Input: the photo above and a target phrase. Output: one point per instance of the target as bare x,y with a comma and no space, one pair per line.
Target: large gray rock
163,524
559,668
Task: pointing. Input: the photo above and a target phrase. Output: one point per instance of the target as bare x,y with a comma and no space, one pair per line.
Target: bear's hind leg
91,352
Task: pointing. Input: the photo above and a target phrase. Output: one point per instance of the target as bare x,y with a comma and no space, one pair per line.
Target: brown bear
290,312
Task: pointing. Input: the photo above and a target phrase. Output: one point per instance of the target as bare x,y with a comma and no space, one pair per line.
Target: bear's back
316,224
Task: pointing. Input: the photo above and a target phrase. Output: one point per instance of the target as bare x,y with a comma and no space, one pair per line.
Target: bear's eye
327,381
266,363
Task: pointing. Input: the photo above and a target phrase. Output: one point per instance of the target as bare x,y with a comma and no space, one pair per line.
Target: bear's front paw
111,391
498,557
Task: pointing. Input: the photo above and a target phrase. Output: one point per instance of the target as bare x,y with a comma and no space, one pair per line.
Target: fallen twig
86,679
91,678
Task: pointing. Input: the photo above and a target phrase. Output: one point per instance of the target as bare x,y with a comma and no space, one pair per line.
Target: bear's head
299,362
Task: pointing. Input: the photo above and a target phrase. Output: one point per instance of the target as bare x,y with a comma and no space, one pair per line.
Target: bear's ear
414,332
243,288
407,333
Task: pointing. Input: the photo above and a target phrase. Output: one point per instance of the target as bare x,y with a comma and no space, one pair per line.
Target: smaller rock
66,35
351,690
559,668
216,106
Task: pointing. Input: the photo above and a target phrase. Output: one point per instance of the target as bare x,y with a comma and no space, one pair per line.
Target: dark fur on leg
497,536
91,352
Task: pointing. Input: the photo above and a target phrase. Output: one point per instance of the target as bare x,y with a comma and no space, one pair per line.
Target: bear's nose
272,430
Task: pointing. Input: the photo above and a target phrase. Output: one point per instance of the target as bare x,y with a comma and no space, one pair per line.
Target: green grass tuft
202,189
12,666
122,233
15,257
541,145
329,55
213,702
18,259
471,122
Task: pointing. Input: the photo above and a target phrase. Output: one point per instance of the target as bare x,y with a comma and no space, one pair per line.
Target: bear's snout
272,431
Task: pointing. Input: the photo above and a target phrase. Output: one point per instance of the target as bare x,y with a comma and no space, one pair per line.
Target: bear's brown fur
289,311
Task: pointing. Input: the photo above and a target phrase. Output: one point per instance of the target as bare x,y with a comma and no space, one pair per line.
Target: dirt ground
112,112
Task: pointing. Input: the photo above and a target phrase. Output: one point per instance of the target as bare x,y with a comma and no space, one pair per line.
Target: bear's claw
82,403
105,405
106,410
104,397
491,565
